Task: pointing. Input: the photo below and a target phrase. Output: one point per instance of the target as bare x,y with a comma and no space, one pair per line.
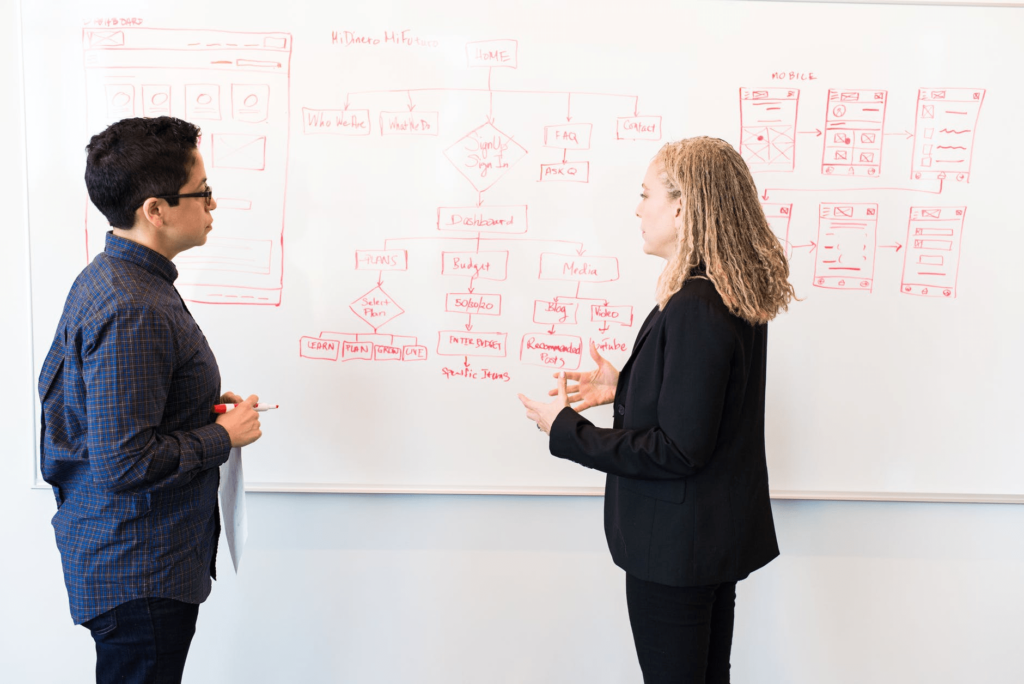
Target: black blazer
686,501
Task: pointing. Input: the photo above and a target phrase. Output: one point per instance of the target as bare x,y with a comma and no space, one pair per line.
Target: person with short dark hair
129,442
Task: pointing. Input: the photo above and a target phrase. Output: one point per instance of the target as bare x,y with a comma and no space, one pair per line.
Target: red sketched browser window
234,86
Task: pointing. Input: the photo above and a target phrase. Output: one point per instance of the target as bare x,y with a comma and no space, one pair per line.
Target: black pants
144,641
683,635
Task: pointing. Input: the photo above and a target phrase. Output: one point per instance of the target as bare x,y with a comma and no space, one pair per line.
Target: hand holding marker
242,425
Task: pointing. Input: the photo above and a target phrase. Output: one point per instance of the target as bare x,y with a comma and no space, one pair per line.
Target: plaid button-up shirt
128,440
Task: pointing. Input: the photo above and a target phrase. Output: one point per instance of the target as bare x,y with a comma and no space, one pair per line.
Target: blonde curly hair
723,230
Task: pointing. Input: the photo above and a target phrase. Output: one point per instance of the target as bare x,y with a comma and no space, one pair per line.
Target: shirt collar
140,255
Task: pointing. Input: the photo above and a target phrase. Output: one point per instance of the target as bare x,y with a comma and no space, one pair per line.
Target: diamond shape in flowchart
376,307
484,155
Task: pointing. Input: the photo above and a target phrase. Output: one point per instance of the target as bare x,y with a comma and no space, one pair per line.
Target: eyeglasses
207,195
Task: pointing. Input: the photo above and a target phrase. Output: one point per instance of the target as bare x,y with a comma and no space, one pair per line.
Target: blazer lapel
645,330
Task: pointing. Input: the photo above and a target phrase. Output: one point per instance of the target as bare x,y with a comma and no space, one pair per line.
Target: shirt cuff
216,444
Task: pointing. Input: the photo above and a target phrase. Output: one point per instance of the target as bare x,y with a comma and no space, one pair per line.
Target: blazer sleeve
699,344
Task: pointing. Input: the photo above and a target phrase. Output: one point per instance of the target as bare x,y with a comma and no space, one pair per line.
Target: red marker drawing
224,408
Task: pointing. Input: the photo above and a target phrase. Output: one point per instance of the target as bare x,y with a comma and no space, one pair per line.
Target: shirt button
622,410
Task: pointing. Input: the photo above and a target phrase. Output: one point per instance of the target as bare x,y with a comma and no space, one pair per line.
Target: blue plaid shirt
128,440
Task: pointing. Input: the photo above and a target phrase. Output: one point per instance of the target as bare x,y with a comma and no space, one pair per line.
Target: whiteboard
425,209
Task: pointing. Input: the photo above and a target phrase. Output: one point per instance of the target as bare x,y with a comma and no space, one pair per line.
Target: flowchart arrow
552,331
941,178
816,132
605,329
896,246
411,106
568,110
813,245
905,132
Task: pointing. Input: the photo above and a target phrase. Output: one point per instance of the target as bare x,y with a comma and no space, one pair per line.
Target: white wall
441,589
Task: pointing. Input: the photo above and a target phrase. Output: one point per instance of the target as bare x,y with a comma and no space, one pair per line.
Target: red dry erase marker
224,408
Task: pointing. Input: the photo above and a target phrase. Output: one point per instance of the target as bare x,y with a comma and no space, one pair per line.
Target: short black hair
135,159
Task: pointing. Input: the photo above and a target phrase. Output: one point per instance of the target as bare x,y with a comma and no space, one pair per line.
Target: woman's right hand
594,388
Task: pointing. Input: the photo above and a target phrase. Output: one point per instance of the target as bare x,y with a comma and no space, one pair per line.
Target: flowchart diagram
476,243
852,139
236,86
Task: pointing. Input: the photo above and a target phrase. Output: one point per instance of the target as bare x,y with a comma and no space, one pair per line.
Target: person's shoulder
699,306
697,294
115,288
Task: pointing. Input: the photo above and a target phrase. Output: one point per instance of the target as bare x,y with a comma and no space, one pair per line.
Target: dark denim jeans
144,641
683,635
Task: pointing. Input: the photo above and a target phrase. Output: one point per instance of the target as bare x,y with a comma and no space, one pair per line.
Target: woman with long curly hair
687,511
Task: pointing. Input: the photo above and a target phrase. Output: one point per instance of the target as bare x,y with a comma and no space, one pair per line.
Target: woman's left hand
544,414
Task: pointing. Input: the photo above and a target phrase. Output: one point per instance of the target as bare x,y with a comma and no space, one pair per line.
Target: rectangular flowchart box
638,128
335,121
462,343
584,269
492,53
386,352
565,172
414,352
408,123
316,348
554,313
350,351
568,136
484,219
623,315
475,304
551,351
382,260
484,265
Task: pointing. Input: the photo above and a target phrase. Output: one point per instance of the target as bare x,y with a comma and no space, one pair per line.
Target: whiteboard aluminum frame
781,495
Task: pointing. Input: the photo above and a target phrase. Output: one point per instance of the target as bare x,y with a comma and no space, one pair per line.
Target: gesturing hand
544,414
595,388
